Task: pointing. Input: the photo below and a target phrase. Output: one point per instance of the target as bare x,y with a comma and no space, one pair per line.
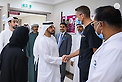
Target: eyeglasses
79,15
94,23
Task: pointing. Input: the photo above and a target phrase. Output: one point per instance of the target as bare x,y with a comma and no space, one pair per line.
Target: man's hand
65,58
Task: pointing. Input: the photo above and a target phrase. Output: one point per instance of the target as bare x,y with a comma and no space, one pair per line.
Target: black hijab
19,37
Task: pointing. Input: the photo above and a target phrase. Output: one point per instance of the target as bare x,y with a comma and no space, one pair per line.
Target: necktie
59,43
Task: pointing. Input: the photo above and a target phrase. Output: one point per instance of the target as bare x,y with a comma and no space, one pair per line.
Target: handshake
66,58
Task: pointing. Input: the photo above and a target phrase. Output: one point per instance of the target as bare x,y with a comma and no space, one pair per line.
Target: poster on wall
70,21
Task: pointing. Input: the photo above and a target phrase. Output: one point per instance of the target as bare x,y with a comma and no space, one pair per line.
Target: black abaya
14,65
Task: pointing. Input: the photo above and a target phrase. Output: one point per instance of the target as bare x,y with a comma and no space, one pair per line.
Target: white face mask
99,35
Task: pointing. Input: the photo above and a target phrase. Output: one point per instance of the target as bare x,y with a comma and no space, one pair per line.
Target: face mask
77,21
81,33
99,35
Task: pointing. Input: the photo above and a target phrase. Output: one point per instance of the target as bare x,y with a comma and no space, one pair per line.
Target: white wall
33,20
25,20
35,6
0,18
68,8
56,18
37,20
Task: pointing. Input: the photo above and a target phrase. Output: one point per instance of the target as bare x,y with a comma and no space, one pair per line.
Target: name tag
94,64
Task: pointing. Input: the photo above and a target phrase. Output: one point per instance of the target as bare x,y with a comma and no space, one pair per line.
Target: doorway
30,18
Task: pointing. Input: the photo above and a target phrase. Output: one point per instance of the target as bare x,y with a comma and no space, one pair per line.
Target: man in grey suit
64,41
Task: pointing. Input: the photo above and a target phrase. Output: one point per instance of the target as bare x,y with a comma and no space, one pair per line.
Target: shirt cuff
60,60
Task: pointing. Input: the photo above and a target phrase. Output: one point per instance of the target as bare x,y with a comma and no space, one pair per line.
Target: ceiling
50,2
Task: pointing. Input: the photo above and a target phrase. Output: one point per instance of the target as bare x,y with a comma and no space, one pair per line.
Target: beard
53,32
35,30
14,27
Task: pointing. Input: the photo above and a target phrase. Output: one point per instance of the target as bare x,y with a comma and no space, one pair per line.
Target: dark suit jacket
66,43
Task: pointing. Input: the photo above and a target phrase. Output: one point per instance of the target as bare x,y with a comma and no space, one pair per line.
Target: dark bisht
20,37
13,61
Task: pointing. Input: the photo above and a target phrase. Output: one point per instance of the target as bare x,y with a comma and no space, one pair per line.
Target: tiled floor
67,79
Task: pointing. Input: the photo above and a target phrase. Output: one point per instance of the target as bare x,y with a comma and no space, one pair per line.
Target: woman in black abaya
13,61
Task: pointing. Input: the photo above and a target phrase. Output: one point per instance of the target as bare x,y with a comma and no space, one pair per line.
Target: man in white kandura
74,61
46,51
5,35
106,63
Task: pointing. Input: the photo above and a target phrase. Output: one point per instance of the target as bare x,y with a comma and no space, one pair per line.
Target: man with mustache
32,74
5,35
106,62
46,54
64,41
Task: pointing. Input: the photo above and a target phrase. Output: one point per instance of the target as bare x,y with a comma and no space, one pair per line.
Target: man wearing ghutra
46,49
5,35
32,74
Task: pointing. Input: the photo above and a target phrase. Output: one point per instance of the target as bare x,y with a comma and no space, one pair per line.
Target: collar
113,37
62,33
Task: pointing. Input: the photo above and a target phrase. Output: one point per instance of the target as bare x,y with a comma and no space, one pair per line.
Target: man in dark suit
64,41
